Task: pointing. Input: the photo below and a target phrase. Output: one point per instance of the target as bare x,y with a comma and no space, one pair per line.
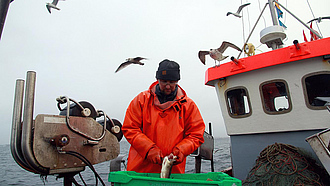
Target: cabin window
316,89
238,103
275,97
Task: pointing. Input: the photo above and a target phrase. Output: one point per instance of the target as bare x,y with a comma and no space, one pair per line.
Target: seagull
129,61
52,5
238,10
216,54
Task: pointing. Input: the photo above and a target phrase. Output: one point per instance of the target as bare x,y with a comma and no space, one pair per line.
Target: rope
243,23
248,14
314,17
282,164
262,16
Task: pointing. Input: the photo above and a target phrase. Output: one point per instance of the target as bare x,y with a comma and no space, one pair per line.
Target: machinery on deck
61,144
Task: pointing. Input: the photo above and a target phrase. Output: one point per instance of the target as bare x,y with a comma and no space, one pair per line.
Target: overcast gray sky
76,50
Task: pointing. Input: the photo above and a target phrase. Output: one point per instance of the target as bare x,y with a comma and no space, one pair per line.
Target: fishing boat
277,97
280,96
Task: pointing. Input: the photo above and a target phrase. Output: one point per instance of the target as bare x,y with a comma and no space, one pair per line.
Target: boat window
316,89
275,97
238,103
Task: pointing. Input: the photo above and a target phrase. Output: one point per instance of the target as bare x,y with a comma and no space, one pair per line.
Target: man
160,121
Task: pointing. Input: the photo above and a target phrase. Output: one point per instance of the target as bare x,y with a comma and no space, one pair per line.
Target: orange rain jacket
172,124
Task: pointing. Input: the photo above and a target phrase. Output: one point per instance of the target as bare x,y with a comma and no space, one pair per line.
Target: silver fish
167,164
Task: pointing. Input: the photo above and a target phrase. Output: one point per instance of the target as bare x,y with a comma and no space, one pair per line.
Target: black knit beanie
168,70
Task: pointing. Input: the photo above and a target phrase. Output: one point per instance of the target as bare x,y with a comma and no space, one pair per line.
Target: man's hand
179,156
155,155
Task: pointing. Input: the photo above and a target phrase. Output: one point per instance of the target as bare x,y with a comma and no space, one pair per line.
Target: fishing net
283,164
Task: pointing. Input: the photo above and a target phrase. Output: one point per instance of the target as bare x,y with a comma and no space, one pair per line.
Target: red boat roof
288,54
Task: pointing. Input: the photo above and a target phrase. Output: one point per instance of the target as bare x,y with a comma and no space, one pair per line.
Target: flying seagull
129,61
237,14
216,54
52,5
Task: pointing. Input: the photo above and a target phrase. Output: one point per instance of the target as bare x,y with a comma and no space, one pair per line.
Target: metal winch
61,144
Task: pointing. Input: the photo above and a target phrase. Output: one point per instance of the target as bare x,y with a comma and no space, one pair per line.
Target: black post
210,128
212,164
198,163
67,181
68,178
4,5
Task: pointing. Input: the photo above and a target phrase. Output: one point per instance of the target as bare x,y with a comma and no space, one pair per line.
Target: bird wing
123,65
228,13
138,58
48,8
225,45
55,2
241,7
201,55
52,5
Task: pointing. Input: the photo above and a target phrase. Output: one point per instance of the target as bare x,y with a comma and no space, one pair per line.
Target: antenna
273,36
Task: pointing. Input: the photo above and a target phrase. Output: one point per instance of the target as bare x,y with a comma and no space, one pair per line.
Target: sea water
12,174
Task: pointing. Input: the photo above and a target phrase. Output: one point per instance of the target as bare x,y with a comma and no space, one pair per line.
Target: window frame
248,101
263,99
303,79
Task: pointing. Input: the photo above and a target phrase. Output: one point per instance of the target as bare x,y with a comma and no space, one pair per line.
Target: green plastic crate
126,178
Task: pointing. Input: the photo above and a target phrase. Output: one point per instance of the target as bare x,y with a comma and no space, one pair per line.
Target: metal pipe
67,119
247,40
210,128
272,12
27,143
16,131
4,5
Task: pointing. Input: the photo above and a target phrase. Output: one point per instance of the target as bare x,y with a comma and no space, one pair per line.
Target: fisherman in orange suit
160,121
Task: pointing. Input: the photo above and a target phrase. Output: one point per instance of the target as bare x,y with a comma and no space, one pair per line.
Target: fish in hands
167,164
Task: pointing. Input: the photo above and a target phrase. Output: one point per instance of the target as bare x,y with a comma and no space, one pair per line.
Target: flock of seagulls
216,54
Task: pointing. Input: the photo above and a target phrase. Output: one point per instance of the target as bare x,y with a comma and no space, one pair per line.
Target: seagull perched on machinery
237,14
52,5
129,61
217,54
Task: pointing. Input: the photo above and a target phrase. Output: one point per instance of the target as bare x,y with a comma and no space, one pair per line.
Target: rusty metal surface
48,126
206,149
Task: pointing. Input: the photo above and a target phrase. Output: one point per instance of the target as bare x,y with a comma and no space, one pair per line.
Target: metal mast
272,12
